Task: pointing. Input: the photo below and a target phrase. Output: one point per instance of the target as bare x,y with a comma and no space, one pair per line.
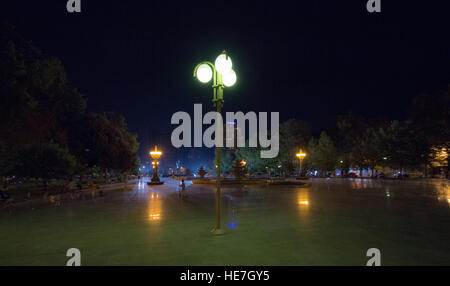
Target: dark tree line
45,130
360,143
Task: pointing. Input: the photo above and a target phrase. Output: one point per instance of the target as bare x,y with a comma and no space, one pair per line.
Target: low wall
247,181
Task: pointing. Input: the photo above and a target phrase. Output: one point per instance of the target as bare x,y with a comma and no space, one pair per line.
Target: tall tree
430,118
42,113
349,132
403,147
46,161
226,161
294,134
38,102
113,146
322,154
371,151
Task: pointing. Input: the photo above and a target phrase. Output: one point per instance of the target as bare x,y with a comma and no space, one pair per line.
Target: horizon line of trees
360,143
45,130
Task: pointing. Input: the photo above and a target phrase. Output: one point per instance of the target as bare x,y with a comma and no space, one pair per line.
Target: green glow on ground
329,222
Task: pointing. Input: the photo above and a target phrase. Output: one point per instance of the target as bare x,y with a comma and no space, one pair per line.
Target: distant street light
223,76
300,155
155,154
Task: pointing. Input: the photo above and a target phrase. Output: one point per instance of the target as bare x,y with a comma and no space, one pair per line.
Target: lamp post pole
155,177
222,75
301,159
301,155
155,154
218,102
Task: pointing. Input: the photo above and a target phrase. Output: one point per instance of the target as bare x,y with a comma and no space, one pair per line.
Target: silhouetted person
183,187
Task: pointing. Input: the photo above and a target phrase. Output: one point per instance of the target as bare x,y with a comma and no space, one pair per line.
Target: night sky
312,60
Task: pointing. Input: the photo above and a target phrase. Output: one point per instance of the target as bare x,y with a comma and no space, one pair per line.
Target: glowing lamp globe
223,64
204,73
229,78
301,154
155,154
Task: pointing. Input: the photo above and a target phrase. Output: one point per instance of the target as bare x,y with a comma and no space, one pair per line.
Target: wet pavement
325,222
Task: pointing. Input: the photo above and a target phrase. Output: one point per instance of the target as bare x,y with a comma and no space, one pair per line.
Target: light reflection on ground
326,222
155,207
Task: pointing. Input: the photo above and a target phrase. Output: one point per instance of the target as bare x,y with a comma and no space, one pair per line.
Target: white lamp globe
204,73
229,78
223,64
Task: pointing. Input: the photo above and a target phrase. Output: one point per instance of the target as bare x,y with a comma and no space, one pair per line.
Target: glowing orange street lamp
300,155
155,154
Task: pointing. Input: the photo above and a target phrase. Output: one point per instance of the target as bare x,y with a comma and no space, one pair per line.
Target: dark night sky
307,59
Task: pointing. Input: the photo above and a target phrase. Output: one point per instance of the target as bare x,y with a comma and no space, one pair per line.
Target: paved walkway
328,222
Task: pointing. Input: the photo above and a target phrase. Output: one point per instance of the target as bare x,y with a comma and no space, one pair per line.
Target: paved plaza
325,222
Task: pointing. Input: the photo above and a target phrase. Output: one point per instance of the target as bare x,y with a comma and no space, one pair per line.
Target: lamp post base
217,231
155,183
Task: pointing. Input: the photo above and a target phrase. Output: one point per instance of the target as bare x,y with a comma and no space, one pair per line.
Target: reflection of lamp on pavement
155,154
155,208
303,199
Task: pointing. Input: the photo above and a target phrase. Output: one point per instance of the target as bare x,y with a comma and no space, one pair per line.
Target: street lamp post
223,76
155,154
300,155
